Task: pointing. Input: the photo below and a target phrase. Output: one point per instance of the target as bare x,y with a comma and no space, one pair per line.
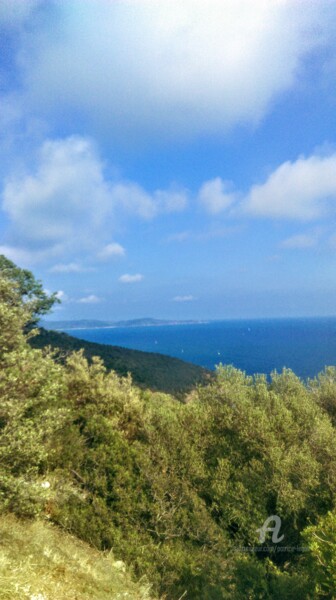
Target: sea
305,345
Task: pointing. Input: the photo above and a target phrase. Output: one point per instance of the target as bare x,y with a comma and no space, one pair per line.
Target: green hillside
148,370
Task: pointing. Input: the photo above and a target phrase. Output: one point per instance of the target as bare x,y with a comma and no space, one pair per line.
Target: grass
40,562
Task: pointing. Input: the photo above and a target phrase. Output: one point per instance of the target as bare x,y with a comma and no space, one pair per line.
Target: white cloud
206,234
61,296
92,299
181,236
68,268
136,201
131,278
64,200
178,67
300,241
111,251
170,201
66,204
215,195
295,190
188,298
302,190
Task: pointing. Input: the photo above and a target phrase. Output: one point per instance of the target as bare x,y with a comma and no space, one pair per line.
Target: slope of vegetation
148,369
177,491
40,562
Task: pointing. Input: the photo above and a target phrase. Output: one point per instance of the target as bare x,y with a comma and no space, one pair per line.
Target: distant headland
97,324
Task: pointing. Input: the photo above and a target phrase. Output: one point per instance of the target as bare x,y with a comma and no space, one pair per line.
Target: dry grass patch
40,562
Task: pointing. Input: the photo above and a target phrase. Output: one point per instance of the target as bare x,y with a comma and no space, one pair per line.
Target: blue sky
171,159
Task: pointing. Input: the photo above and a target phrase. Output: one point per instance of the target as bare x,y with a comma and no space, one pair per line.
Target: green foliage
324,389
320,561
30,291
31,411
271,451
177,490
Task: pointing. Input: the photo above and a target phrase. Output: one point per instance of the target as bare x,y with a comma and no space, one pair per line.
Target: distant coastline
85,324
90,324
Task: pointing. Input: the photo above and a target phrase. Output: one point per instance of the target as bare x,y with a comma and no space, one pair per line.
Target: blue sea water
255,346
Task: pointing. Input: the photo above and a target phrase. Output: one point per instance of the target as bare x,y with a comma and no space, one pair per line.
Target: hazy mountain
92,323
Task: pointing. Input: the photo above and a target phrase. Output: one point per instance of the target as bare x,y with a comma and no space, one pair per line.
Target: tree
30,290
31,408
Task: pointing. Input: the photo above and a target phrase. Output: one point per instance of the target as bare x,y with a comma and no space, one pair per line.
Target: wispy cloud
69,268
205,235
216,195
181,236
135,200
20,256
92,299
127,278
300,241
188,298
111,251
